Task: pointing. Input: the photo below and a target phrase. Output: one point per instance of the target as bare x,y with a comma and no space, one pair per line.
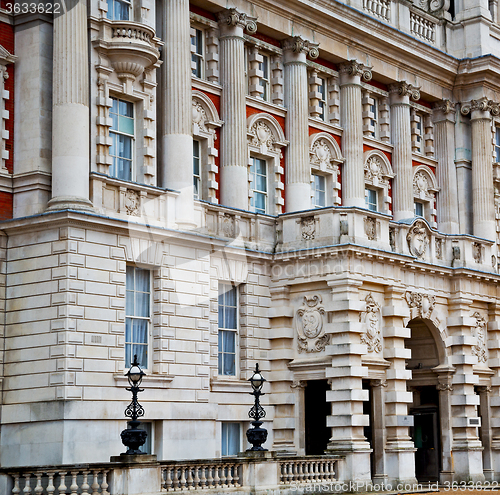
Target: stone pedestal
298,169
402,190
353,191
70,110
234,155
177,164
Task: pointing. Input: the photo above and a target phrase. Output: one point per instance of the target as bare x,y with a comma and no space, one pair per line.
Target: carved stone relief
420,185
371,319
479,333
439,249
418,239
477,252
321,155
227,225
374,171
263,137
371,228
132,202
310,330
423,304
308,228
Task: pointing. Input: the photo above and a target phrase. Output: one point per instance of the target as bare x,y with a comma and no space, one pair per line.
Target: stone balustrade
422,28
236,475
378,8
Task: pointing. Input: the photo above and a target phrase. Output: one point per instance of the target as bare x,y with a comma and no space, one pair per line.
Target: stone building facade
313,187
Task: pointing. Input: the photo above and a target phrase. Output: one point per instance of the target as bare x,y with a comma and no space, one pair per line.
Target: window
264,80
137,311
228,328
419,209
497,144
196,169
147,448
374,119
258,185
197,50
230,439
319,191
322,99
118,10
371,199
122,139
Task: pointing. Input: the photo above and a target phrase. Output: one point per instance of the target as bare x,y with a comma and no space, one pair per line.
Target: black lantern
133,438
257,435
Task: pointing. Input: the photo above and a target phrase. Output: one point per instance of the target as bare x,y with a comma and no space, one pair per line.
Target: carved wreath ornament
311,334
371,319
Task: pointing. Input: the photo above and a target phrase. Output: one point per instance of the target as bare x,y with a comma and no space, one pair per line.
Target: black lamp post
257,435
132,437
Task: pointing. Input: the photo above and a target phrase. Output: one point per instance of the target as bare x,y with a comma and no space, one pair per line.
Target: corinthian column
70,109
177,166
483,199
298,170
351,119
444,139
402,191
234,160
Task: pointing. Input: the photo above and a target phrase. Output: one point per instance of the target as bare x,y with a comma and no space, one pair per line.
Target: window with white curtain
118,10
138,313
230,439
228,329
318,190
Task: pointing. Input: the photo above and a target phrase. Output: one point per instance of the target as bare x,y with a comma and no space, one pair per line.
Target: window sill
231,385
325,126
204,85
149,381
265,106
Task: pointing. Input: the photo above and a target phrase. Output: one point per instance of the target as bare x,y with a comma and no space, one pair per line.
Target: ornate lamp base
133,438
256,436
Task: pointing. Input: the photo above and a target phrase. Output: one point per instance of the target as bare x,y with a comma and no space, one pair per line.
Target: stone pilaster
177,166
483,200
493,342
379,431
444,139
399,449
346,374
486,431
445,388
402,190
351,119
234,159
70,109
466,447
298,170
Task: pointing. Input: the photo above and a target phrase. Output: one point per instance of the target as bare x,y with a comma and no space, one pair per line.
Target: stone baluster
402,190
70,109
177,165
298,171
351,119
444,133
483,199
234,159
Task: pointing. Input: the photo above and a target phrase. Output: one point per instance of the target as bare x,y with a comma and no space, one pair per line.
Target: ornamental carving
299,45
418,239
199,116
311,333
321,154
479,333
371,228
422,304
402,88
227,225
482,105
232,17
445,106
370,317
433,5
477,252
374,170
263,137
420,185
299,384
445,387
354,68
308,228
132,202
392,238
439,248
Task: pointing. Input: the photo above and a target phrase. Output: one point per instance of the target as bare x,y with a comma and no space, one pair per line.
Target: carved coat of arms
311,333
418,239
371,318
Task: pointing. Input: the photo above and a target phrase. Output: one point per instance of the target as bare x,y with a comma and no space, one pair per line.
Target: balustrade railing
194,476
308,471
422,28
378,8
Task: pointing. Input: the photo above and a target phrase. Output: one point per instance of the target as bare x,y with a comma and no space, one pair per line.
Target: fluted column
483,199
234,159
298,171
402,190
70,109
177,163
444,141
351,119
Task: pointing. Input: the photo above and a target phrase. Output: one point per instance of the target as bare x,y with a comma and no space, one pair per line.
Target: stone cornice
402,88
233,17
354,68
297,44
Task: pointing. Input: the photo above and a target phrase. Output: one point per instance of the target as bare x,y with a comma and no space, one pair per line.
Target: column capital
354,68
234,18
402,89
483,105
298,45
444,110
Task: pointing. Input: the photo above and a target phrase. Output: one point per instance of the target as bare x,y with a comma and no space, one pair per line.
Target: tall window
118,10
197,53
374,119
228,328
230,439
371,199
419,209
322,90
138,312
319,191
196,169
497,144
258,185
264,80
122,139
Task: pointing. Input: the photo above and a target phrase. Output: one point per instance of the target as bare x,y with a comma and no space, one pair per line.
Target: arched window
378,175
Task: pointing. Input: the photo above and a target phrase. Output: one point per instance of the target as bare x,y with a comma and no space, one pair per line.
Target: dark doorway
425,434
368,430
316,411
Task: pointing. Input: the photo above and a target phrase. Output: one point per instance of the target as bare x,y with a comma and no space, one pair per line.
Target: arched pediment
324,151
265,133
377,165
205,115
424,182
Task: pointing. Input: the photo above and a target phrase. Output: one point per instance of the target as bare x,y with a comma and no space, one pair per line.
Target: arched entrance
427,358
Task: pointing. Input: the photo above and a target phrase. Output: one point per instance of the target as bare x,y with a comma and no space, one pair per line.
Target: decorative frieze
310,329
371,319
